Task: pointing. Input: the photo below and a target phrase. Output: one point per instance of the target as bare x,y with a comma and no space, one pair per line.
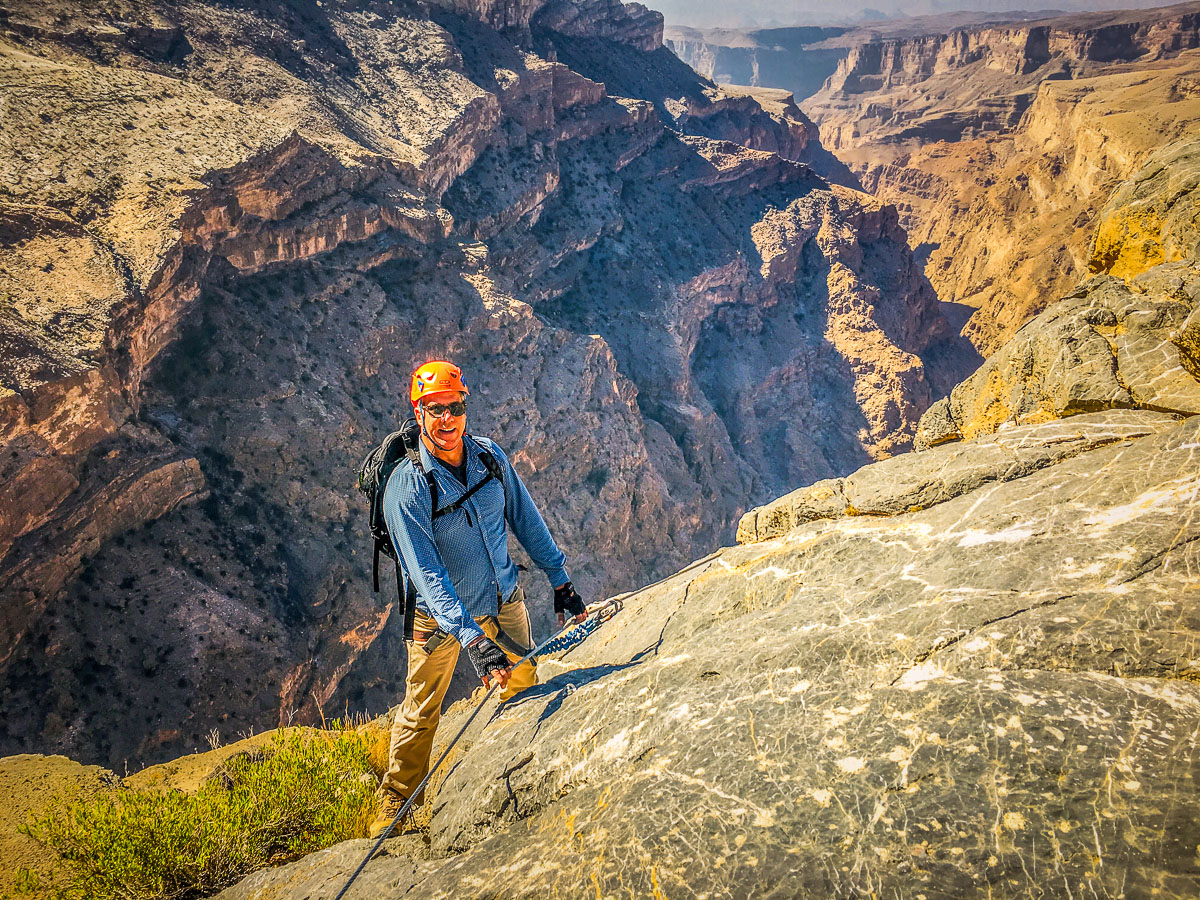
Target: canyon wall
1073,45
796,59
801,59
230,232
1000,146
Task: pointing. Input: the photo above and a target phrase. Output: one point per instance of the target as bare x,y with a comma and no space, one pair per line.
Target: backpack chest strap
457,504
494,470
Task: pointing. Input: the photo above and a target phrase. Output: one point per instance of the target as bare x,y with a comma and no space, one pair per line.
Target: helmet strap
420,407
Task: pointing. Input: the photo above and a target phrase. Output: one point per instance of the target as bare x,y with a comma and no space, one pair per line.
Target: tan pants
425,687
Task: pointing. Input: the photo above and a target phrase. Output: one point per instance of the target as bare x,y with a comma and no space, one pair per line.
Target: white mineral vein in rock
1013,535
1164,499
763,818
777,572
674,660
920,675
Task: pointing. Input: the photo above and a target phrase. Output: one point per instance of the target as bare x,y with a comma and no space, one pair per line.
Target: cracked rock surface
915,481
993,696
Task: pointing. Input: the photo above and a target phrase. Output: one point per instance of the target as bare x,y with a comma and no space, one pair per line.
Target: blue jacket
459,562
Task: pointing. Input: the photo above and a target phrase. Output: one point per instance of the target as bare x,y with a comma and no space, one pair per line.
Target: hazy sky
766,13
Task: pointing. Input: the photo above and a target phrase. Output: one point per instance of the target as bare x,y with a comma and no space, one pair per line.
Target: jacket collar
470,457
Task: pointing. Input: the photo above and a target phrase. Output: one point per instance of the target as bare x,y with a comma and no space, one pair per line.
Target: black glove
486,656
567,601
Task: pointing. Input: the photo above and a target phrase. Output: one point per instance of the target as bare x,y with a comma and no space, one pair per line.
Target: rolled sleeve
406,508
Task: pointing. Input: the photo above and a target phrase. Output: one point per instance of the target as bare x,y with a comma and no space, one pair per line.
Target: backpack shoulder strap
414,457
406,591
494,468
488,458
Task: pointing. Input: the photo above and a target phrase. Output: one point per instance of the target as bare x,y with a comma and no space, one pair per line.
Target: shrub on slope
299,794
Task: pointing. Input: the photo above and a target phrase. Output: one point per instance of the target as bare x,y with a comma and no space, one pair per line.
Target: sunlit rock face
1152,216
1107,345
1129,338
952,673
1000,146
229,234
922,69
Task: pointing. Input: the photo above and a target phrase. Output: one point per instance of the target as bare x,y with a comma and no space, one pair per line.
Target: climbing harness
568,637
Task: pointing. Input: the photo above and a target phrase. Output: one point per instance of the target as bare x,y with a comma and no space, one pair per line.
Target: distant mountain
769,13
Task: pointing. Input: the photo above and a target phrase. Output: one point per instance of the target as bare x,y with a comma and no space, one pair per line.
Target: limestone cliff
229,231
628,23
796,59
1023,132
1154,216
801,59
865,99
1110,343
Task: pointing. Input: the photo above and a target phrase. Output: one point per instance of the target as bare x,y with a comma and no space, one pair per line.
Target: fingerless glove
567,601
486,656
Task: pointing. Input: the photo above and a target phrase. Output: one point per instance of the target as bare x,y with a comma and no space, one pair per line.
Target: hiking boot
389,805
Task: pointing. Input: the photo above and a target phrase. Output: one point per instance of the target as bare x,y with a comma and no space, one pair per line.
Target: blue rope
571,638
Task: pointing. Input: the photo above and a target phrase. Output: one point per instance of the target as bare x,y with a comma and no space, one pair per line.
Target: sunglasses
437,410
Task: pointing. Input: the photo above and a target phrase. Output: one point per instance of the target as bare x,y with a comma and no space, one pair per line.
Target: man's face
445,430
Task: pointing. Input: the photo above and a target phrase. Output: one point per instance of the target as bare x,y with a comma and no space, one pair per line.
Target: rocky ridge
225,230
1106,345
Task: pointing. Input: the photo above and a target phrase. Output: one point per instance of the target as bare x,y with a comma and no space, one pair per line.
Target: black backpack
373,477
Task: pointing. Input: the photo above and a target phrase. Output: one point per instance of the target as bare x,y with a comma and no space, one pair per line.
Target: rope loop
577,635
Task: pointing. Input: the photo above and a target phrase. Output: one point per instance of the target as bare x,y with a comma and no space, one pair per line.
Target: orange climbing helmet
434,376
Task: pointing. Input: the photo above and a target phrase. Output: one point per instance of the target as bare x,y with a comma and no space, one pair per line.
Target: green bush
298,794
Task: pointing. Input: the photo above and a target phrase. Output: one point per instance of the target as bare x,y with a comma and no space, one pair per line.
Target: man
466,581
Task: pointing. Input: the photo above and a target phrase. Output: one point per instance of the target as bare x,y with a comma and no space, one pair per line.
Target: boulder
1106,345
